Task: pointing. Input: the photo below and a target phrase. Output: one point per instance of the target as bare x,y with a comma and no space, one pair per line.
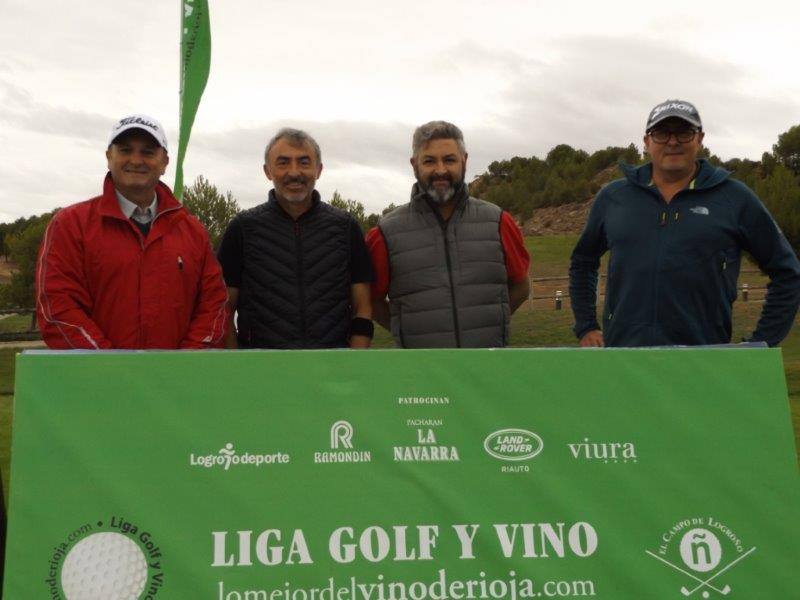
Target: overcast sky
517,76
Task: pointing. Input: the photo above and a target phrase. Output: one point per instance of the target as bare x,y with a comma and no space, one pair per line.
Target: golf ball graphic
104,566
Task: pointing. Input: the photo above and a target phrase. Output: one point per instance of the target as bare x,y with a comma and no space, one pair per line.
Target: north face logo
699,210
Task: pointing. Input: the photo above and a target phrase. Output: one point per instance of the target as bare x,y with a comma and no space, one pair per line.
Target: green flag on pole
195,64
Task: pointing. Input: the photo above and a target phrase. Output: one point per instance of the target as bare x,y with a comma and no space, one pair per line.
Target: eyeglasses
662,136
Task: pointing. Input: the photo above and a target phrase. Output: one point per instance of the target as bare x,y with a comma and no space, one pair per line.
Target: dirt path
23,345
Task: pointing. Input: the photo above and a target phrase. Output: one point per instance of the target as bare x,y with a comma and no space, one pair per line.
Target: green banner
195,65
341,475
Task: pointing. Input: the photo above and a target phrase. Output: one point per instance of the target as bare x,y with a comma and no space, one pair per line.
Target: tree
23,249
207,203
780,192
354,208
787,150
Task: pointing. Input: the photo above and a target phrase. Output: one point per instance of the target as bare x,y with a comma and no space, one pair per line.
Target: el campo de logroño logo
703,550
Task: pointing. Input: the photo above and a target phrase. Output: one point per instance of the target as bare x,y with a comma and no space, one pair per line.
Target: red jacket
101,284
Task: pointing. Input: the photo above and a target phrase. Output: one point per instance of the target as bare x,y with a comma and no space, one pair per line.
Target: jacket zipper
300,286
141,264
452,287
666,217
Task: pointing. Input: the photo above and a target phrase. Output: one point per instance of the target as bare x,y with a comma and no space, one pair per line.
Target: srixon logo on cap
138,121
672,105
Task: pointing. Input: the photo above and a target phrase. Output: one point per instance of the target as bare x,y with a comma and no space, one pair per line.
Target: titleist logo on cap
140,121
137,121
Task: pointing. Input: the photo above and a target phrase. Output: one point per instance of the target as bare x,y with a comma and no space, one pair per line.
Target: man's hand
593,339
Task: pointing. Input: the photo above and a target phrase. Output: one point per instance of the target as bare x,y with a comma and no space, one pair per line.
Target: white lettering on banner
343,457
426,451
426,454
424,422
401,543
466,539
582,539
375,544
480,586
604,451
228,457
267,553
423,400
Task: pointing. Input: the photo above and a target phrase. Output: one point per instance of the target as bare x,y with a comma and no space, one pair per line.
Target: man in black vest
454,268
296,268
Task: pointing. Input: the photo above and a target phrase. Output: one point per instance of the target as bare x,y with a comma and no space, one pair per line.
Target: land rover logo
513,444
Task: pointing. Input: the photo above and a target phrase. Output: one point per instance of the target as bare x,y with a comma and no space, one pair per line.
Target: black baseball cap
674,108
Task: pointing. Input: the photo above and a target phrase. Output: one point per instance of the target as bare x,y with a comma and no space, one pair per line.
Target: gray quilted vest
448,281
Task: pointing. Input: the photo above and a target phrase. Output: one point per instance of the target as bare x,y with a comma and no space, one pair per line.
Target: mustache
291,180
435,178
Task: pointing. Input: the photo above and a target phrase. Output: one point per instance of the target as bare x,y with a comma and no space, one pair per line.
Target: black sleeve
583,268
360,262
230,254
765,241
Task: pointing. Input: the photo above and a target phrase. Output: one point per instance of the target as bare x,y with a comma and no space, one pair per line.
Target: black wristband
362,326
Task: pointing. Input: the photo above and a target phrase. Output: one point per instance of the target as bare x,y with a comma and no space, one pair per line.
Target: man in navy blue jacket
676,228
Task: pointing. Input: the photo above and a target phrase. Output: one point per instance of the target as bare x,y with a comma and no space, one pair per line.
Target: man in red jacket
130,268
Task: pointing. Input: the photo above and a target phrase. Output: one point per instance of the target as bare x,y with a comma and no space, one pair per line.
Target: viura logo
513,445
703,549
606,452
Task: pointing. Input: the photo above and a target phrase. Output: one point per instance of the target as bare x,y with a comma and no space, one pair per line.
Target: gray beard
441,197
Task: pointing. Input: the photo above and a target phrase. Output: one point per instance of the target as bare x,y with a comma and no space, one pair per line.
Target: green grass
6,400
15,323
536,325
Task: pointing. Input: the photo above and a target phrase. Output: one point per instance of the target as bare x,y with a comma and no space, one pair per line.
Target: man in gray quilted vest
449,269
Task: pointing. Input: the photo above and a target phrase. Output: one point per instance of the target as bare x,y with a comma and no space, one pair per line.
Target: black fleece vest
295,290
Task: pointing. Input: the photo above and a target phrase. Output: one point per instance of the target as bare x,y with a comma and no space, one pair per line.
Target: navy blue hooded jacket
673,266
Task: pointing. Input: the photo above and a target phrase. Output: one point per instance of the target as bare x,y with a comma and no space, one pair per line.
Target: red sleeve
62,292
517,258
380,262
210,312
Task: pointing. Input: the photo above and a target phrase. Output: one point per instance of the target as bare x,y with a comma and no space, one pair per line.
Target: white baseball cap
143,122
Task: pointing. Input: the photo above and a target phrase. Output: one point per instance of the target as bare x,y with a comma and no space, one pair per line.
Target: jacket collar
167,203
707,175
273,203
421,201
109,206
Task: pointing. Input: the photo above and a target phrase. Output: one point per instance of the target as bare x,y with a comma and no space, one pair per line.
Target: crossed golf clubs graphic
724,591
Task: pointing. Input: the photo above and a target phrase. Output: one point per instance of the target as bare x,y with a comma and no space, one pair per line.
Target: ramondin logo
513,444
341,437
227,457
114,561
701,546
